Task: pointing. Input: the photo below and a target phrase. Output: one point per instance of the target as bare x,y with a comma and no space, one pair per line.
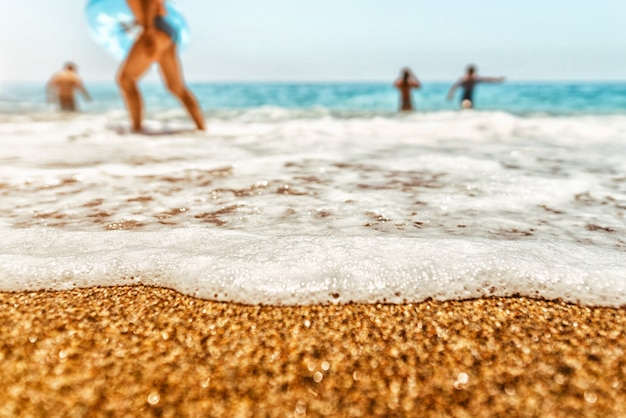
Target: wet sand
152,352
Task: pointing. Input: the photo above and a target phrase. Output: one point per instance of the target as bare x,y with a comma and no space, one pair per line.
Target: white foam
234,266
288,207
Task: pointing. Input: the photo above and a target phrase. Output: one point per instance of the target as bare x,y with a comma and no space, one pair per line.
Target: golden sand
140,351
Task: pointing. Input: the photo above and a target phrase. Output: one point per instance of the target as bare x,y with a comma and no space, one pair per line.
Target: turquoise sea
519,98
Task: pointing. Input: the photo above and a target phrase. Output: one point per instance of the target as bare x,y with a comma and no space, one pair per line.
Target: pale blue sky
323,40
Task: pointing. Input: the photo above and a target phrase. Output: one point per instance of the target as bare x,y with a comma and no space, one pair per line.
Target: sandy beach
137,351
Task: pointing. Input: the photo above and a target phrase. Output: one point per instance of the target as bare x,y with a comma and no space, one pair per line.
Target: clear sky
339,40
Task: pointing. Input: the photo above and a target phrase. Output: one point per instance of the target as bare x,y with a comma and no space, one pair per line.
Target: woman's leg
173,77
136,64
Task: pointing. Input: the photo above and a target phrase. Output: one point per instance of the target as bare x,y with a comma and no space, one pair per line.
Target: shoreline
145,351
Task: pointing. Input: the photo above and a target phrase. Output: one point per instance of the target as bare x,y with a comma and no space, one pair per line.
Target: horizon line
329,81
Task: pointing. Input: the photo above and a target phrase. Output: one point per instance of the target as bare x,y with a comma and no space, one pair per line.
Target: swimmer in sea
62,87
405,84
157,43
467,83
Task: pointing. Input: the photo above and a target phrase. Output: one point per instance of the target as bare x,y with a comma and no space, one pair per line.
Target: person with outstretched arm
468,82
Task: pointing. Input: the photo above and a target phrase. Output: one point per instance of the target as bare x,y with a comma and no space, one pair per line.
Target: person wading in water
405,84
468,82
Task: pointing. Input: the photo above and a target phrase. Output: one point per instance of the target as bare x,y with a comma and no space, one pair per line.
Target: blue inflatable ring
112,25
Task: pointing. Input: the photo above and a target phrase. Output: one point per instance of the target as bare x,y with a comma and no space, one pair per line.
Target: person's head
471,69
70,66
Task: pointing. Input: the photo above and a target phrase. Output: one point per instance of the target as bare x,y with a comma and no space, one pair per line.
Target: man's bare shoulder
66,78
56,78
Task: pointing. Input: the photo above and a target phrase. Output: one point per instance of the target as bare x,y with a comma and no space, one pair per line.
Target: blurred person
405,83
468,82
62,87
157,43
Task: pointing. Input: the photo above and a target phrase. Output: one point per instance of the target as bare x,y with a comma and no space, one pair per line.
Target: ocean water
321,193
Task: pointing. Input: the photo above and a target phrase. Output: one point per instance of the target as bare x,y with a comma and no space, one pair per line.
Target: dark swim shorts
161,23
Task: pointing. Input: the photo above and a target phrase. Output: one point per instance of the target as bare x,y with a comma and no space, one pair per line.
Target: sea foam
284,207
